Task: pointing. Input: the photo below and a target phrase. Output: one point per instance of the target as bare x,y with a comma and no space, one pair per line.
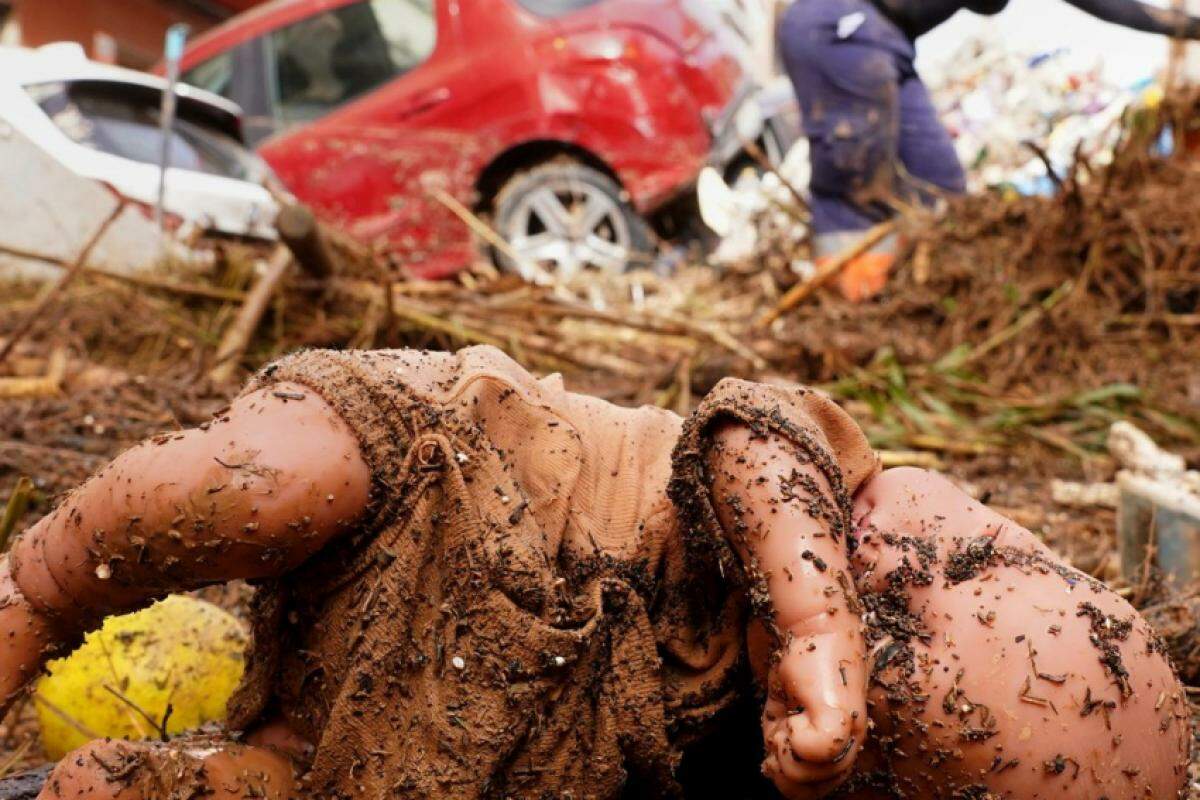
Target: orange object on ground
865,276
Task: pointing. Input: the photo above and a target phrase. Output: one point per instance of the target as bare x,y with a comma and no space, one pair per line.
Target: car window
110,118
333,57
214,75
555,8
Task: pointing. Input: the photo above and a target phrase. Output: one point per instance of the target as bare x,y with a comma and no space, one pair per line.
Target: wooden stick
41,385
18,501
798,294
534,272
910,458
301,232
176,287
957,359
239,333
39,309
761,159
1176,52
15,758
147,281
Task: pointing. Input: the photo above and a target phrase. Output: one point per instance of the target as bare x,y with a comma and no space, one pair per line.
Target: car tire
568,218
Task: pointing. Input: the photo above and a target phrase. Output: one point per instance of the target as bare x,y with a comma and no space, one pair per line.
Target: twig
958,358
532,272
176,287
39,386
1042,156
239,333
1187,320
955,446
147,281
798,294
18,502
761,159
159,728
15,758
79,727
683,377
1177,51
910,458
39,309
299,230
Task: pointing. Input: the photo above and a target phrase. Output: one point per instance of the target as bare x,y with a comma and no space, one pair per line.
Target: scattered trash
1159,521
758,210
994,99
1140,454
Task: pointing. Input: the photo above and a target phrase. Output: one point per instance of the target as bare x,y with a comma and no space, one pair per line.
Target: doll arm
251,495
774,507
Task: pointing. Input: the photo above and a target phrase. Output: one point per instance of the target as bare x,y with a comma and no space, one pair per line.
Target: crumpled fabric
518,614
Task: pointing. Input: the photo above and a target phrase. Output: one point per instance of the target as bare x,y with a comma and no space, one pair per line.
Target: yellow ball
183,653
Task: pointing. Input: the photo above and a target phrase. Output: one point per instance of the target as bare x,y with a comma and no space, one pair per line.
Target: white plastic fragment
1084,495
1136,451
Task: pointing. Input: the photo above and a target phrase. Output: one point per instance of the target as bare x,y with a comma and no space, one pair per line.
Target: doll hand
815,718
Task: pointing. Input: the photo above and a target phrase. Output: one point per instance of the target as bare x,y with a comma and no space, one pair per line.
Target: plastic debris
994,99
1084,495
1159,510
753,213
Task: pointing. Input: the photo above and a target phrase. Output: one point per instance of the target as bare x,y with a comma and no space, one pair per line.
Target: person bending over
874,133
472,583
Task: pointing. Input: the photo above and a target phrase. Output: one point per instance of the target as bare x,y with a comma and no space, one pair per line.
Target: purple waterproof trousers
871,125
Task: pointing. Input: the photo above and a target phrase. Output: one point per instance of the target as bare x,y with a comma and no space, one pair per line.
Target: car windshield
123,121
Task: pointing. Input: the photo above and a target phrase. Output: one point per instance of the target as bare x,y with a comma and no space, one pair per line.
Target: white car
102,123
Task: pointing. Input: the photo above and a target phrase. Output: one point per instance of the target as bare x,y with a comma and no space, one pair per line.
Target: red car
567,123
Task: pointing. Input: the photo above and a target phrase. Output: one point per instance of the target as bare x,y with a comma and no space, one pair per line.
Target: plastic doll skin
815,715
252,494
272,480
1019,660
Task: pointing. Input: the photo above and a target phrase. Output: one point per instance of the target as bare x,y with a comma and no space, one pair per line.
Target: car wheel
568,220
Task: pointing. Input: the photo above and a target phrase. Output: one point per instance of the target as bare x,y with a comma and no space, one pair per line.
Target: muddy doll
472,583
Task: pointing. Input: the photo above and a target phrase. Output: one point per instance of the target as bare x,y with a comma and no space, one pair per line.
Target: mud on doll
472,583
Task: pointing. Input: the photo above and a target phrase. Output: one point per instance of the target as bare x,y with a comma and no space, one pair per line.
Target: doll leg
193,767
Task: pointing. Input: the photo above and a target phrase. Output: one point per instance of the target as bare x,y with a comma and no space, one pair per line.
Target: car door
354,106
